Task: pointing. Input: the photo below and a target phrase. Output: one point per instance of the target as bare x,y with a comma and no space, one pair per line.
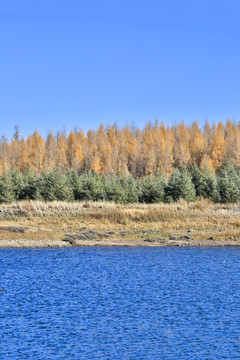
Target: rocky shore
131,238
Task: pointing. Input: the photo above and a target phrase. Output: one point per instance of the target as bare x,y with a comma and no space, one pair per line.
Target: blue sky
78,63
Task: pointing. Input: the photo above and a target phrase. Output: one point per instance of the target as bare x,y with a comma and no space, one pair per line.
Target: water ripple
120,303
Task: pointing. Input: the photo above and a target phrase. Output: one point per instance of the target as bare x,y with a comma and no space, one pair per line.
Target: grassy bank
34,220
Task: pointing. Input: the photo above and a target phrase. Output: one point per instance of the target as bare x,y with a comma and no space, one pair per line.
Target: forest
155,164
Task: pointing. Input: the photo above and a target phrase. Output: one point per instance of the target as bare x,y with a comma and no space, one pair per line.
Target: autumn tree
50,152
196,144
218,147
23,164
36,151
125,151
4,155
181,153
61,158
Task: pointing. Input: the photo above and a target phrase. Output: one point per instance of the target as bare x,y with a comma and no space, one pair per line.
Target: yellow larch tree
196,144
181,153
14,154
165,161
206,162
96,164
23,164
4,155
36,151
218,147
148,154
207,138
71,150
61,162
231,142
50,152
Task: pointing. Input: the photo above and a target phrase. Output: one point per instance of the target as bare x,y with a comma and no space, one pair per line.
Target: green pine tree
6,189
114,189
197,179
188,192
227,188
90,188
209,186
17,181
129,188
173,188
153,189
31,187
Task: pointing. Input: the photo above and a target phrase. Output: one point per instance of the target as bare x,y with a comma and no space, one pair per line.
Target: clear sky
79,63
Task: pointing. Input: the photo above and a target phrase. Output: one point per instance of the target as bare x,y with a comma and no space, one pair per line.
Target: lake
120,303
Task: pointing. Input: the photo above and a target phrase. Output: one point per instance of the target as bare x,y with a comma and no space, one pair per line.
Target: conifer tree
30,190
227,188
113,189
218,147
90,188
23,164
16,135
50,152
180,186
173,188
17,183
187,187
153,189
55,185
6,190
209,186
197,179
129,188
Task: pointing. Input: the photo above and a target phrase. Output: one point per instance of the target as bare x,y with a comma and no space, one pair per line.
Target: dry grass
53,219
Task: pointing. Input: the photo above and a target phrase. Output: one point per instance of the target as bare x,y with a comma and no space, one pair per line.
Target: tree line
124,151
189,184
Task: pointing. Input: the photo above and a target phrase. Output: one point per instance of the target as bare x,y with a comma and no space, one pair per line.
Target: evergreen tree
232,173
209,186
55,185
90,188
17,183
173,188
46,187
180,186
153,189
197,179
130,189
31,187
16,135
74,182
227,187
187,187
113,189
6,190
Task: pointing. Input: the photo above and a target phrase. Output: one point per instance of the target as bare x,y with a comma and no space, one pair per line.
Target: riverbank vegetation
133,223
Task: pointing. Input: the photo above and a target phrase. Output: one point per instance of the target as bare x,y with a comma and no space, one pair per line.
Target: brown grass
54,219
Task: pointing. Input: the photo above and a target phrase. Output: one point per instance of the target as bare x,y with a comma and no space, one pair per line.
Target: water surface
120,303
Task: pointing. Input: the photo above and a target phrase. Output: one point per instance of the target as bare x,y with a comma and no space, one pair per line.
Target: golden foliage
125,150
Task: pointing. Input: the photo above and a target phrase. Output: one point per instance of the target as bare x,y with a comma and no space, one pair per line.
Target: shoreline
53,243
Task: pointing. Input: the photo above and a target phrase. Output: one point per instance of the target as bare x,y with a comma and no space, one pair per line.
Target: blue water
120,303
